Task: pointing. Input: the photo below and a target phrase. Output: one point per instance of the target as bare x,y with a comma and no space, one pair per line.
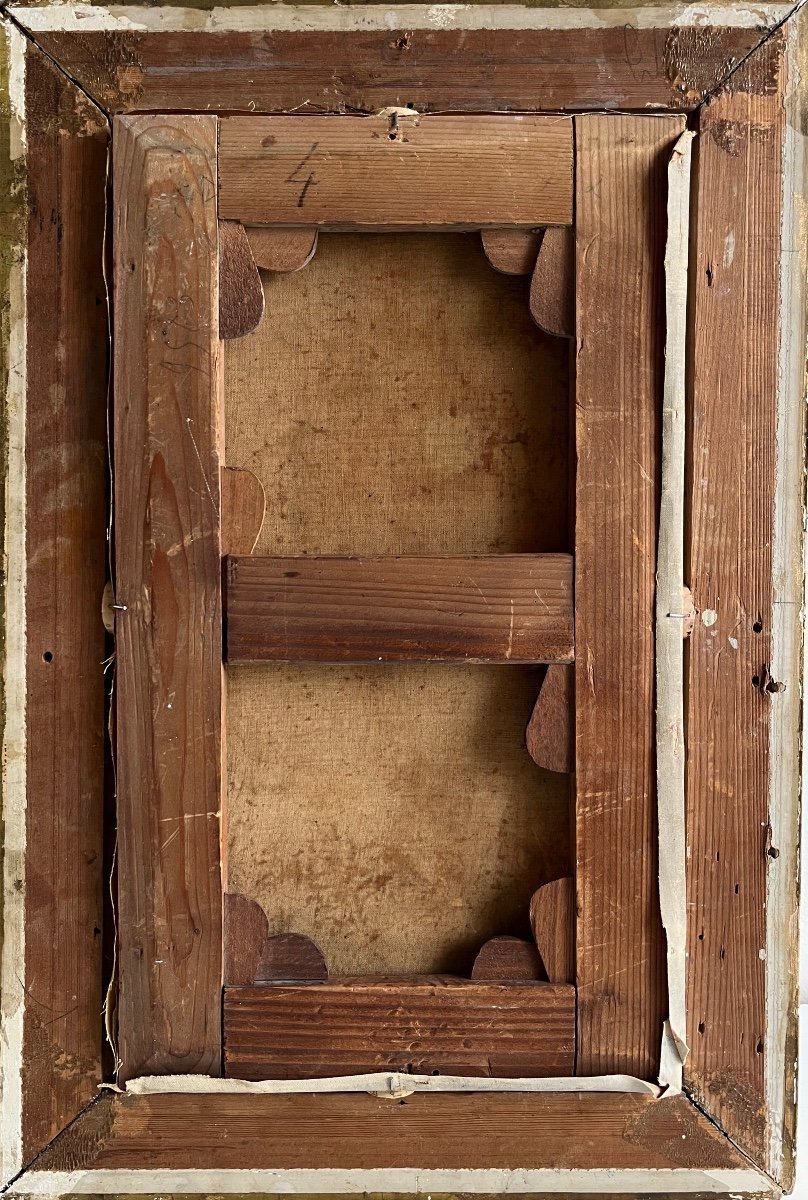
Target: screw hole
773,852
702,1027
757,626
756,681
47,656
759,1047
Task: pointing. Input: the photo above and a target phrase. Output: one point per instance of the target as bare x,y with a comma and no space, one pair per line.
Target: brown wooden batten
621,165
504,608
168,586
389,172
424,1025
613,67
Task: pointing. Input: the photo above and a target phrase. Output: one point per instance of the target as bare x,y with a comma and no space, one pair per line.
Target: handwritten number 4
310,181
307,181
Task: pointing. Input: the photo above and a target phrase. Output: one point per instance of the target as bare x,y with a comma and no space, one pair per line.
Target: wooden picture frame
153,82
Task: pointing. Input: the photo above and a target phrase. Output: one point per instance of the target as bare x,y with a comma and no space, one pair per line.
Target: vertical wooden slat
168,589
621,163
735,339
66,554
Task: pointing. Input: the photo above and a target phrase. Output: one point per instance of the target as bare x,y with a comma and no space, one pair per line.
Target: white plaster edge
787,634
277,18
393,1084
598,1182
671,621
12,959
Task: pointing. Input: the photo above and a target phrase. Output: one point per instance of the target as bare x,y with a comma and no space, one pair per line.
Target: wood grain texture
552,287
433,70
620,230
505,958
736,281
512,251
291,958
390,172
243,505
66,552
244,933
241,296
453,1027
282,250
459,1130
168,637
251,955
550,735
552,918
506,608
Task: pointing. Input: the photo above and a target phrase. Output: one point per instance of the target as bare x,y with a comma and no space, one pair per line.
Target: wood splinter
504,958
552,921
281,250
550,733
511,251
241,293
253,956
243,505
552,288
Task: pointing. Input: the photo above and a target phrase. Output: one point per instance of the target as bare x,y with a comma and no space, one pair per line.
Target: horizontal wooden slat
616,66
360,172
450,1026
566,1132
506,608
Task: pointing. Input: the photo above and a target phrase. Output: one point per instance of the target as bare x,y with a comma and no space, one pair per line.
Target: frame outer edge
782,882
231,16
13,337
408,1180
787,635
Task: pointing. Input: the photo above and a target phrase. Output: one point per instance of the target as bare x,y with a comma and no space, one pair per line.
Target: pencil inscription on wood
390,172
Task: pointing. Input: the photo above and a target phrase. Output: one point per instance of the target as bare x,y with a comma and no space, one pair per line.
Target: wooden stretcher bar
514,608
436,1025
396,171
168,594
